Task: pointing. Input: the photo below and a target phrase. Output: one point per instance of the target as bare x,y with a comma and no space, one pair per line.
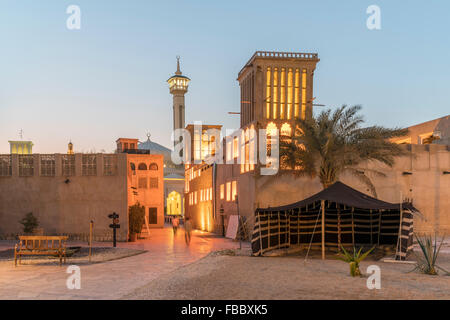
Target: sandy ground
242,277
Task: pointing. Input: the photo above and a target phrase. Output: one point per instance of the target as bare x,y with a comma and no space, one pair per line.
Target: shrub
354,259
29,222
137,217
430,252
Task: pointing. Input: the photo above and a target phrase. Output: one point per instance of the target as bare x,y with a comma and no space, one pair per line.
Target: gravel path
239,277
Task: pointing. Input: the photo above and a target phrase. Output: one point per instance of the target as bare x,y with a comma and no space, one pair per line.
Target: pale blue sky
107,80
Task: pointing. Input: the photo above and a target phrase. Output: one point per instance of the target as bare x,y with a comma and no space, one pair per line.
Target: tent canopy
343,194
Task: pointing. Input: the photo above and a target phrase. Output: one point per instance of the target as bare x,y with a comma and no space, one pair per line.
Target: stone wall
65,204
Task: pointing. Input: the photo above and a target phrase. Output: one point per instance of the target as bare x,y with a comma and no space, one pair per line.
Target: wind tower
178,85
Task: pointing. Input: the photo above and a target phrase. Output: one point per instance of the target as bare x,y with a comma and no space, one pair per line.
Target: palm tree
334,142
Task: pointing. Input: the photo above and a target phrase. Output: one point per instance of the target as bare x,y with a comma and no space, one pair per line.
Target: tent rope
312,236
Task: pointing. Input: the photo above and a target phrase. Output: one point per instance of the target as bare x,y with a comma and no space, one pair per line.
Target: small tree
426,263
29,222
353,259
137,217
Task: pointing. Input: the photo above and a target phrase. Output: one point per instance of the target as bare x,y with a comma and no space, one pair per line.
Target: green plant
29,222
333,143
430,252
137,217
354,259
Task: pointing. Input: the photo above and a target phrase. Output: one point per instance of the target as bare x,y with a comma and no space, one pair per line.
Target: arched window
286,130
153,166
271,129
132,166
142,166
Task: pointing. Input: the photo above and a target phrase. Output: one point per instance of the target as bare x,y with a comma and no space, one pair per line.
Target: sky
108,79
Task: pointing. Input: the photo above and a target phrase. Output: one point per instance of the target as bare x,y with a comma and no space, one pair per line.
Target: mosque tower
178,85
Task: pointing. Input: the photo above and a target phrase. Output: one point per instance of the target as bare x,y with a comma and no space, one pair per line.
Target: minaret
70,148
178,85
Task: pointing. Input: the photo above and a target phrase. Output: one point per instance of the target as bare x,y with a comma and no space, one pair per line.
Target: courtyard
163,253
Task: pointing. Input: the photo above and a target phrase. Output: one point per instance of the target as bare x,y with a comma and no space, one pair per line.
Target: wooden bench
41,245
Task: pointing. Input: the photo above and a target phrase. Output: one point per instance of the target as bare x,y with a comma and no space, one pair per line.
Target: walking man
175,224
187,230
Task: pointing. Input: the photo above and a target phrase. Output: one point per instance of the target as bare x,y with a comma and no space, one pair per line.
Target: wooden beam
323,229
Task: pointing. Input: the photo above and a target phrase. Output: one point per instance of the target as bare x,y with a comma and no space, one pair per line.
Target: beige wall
65,208
148,197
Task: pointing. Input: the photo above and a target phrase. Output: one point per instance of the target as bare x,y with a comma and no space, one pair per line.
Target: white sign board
232,227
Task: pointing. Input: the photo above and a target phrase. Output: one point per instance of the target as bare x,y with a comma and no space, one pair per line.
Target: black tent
346,216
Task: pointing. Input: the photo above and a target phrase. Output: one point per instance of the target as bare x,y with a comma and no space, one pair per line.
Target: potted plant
30,223
136,220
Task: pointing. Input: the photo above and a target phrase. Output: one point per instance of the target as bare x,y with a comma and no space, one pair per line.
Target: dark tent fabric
343,194
351,218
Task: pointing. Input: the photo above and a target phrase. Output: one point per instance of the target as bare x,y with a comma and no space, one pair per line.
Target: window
286,130
109,165
201,195
222,191
235,147
228,191
5,165
268,73
89,165
275,93
152,215
68,165
297,93
304,94
153,166
252,143
132,146
125,146
47,165
289,95
282,92
142,166
195,197
153,183
234,191
210,194
26,165
229,150
132,166
142,183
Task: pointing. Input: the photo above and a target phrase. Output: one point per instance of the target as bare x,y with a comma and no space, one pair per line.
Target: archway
174,203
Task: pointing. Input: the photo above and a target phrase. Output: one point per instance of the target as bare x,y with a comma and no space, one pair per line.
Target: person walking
187,230
175,224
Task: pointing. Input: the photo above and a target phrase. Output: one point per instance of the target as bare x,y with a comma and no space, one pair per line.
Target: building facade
276,89
65,192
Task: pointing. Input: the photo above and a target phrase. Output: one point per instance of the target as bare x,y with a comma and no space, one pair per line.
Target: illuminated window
268,73
271,130
228,191
5,165
282,92
289,95
222,191
195,197
210,194
286,130
47,165
234,191
201,195
243,151
235,147
247,149
229,150
89,165
304,94
109,165
252,143
275,93
297,94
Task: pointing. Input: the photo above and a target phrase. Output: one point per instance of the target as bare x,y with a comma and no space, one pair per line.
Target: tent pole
353,228
379,226
371,233
339,228
323,229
